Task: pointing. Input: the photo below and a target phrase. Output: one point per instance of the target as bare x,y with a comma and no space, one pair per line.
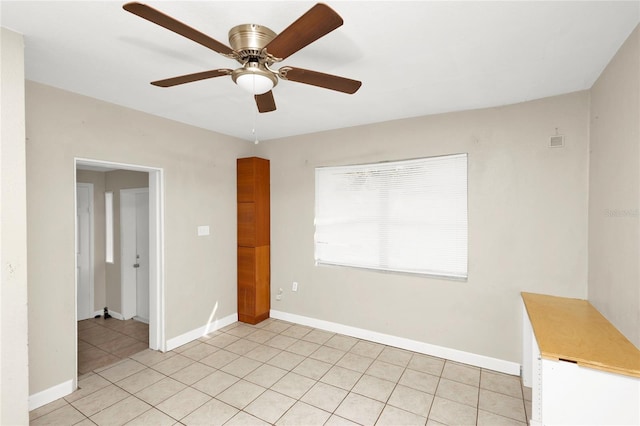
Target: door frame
157,337
125,193
89,186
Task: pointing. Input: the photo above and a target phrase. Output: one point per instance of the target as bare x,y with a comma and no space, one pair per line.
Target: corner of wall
14,349
614,190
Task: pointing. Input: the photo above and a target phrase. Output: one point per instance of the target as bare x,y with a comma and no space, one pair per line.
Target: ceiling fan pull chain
255,124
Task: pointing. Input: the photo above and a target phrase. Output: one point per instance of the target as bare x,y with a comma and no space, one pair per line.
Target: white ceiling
414,58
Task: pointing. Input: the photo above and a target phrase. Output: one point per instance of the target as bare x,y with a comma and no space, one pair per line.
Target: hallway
106,341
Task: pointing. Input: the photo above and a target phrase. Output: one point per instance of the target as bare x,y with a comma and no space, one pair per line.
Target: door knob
136,265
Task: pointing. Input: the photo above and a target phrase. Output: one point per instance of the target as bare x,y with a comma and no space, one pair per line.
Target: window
108,216
405,216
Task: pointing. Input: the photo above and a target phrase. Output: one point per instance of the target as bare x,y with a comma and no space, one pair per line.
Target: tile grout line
435,392
139,399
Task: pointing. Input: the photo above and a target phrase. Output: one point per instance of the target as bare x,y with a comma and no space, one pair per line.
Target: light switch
203,230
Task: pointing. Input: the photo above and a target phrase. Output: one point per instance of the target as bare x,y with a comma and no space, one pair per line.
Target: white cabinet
581,369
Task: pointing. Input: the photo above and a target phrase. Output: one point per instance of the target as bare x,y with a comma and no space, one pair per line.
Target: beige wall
199,184
115,181
614,191
527,224
14,373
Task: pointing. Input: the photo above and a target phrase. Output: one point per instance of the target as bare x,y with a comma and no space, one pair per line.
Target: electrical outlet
294,286
279,295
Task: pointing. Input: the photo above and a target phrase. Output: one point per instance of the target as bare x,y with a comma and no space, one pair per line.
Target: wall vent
556,141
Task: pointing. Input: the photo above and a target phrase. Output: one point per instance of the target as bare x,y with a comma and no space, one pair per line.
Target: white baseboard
201,331
116,315
482,361
49,395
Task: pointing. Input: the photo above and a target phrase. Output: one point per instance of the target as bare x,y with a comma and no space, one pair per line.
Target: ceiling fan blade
317,22
315,78
188,78
265,102
166,21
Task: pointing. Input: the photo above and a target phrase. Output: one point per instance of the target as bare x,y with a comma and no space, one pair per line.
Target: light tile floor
287,374
102,342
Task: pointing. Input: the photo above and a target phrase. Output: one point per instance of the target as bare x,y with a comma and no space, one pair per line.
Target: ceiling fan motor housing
249,40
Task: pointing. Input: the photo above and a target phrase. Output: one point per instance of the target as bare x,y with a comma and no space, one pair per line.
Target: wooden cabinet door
262,287
246,282
246,180
247,225
253,180
254,295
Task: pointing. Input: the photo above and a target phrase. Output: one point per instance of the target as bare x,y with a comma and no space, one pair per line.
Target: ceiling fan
257,48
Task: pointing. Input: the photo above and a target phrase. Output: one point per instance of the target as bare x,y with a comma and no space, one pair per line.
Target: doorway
155,248
134,253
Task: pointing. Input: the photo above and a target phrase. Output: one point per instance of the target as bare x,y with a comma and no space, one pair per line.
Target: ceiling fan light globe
255,84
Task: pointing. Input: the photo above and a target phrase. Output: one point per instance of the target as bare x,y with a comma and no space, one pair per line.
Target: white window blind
406,216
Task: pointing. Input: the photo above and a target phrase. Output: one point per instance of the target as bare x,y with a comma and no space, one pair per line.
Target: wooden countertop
573,330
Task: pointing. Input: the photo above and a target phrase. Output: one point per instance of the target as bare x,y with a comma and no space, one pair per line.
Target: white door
134,232
84,250
142,256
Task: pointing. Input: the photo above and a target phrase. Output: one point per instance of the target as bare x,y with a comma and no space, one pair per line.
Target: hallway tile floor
286,374
102,342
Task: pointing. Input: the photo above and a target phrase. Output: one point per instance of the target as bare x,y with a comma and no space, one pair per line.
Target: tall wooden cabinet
254,237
